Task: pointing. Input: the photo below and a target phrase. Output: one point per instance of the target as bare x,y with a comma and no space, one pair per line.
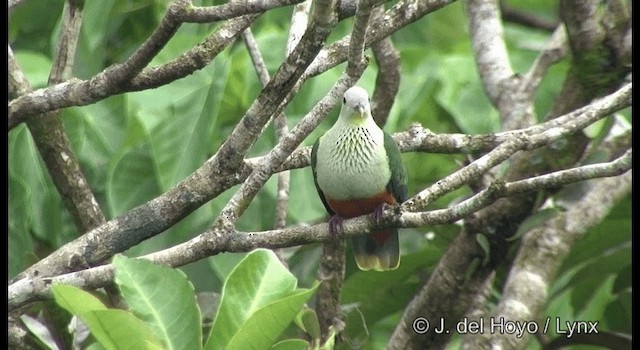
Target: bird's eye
344,100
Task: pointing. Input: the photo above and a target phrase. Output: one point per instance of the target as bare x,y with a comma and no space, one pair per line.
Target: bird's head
355,106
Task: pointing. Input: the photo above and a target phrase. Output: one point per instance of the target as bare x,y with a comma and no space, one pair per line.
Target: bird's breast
352,165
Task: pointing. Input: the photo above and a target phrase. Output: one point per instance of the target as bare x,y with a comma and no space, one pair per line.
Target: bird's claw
335,226
378,212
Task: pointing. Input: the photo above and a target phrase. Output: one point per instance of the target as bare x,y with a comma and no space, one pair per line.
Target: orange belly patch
356,207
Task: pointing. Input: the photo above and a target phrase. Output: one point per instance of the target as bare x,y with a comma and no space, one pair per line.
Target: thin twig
129,75
266,104
236,241
403,13
208,14
544,248
209,180
555,50
510,14
388,78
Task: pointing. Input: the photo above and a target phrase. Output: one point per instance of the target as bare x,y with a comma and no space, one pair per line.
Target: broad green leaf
619,312
120,330
35,66
258,280
44,216
163,298
586,282
132,180
223,264
179,119
462,96
76,300
612,232
264,326
600,298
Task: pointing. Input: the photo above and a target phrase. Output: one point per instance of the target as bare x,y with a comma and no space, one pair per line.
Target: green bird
357,169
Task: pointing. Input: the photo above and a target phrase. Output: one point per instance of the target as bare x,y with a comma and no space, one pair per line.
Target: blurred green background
135,146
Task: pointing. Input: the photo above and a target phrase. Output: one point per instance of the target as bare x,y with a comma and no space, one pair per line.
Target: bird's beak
360,110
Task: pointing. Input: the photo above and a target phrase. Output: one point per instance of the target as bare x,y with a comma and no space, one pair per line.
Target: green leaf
41,331
593,276
264,326
259,299
114,329
463,97
20,241
44,216
75,300
223,264
619,312
121,330
35,66
179,119
132,181
162,297
307,320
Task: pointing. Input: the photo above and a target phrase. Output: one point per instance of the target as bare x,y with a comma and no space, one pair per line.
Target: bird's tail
378,251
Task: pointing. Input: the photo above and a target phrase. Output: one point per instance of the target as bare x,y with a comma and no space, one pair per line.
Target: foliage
259,300
135,146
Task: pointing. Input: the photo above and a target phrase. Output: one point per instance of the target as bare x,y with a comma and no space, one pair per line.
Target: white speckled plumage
352,161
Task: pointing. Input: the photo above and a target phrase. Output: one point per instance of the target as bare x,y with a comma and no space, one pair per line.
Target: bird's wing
314,159
398,182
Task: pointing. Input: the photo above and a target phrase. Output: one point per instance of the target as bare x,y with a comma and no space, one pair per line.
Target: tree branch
555,50
130,75
18,82
510,14
500,83
530,138
208,14
52,141
485,29
249,128
388,78
215,241
403,13
544,249
209,180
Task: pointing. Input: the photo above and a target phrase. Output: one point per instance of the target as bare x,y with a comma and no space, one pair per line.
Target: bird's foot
378,212
335,226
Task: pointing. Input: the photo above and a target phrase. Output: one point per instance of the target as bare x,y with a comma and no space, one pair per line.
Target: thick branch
246,132
130,75
403,13
52,141
18,82
388,78
544,249
487,37
216,241
209,180
555,129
